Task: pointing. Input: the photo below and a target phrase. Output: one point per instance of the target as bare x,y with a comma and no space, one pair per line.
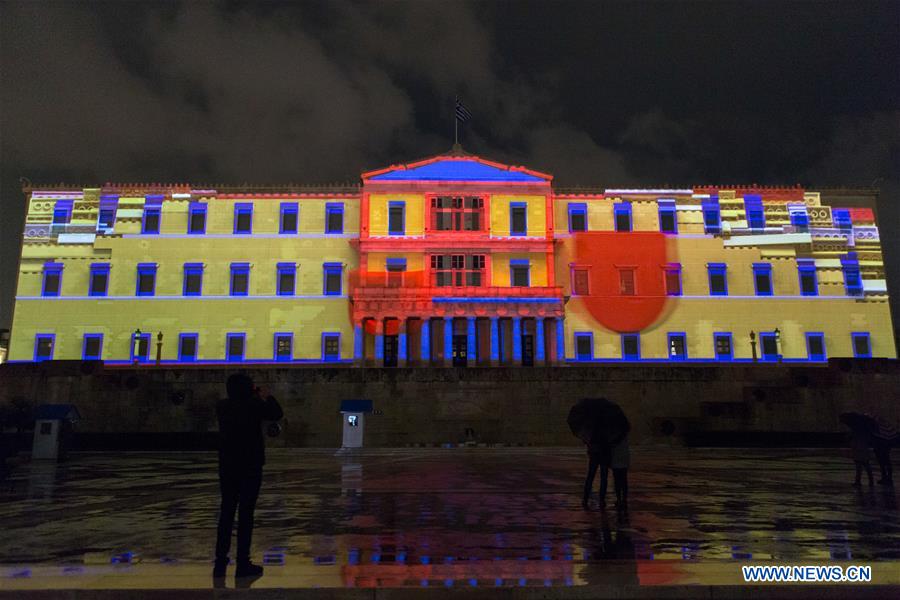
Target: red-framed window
457,213
458,270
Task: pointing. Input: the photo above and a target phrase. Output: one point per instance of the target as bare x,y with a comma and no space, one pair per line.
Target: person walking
620,460
860,440
241,460
884,436
598,457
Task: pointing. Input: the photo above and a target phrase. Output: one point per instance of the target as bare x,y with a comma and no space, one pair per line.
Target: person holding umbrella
600,425
861,428
884,436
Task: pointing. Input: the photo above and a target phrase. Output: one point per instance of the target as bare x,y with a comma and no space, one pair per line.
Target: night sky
643,94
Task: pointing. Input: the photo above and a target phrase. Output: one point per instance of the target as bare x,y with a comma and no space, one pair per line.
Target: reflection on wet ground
445,517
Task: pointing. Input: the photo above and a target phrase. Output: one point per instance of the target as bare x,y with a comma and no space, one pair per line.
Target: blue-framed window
518,218
799,217
62,212
519,272
622,215
243,218
331,279
762,279
841,219
815,346
809,281
287,279
768,345
395,268
723,345
146,279
677,346
284,346
672,273
577,217
862,344
853,283
235,346
140,347
197,218
396,218
92,346
331,347
712,216
151,220
193,279
52,281
756,218
43,346
631,346
334,217
668,216
584,345
718,279
188,347
239,284
289,218
98,283
106,219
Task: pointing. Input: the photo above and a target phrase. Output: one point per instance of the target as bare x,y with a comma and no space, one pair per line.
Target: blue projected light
457,170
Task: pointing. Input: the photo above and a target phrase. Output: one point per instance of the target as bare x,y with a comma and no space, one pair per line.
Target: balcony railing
423,293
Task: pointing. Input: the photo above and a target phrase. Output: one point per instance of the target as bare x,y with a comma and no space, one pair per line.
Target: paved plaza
444,518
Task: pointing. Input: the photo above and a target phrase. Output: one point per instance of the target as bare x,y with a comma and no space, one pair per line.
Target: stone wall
666,403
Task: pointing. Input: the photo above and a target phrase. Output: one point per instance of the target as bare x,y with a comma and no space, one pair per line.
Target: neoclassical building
453,260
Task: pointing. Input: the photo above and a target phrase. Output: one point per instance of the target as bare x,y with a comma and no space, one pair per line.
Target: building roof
356,406
457,166
56,412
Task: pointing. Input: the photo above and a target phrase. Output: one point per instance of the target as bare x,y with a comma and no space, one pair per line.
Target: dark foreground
449,521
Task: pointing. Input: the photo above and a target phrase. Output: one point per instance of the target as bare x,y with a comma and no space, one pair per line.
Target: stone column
426,341
401,344
379,343
539,340
517,341
560,340
448,341
471,349
358,344
495,341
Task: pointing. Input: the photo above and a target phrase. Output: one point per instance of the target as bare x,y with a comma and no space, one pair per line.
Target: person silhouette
241,459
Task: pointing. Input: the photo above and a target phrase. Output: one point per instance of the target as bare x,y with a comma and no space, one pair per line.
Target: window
718,279
395,268
668,217
43,346
287,279
809,285
852,276
187,347
673,279
753,207
862,345
140,347
334,217
581,281
62,212
234,346
396,218
518,218
92,347
332,277
457,270
769,345
243,218
762,279
289,218
626,282
152,216
842,220
622,211
584,346
146,279
631,346
193,279
284,346
723,348
240,279
799,217
815,346
712,222
577,216
197,218
107,216
677,346
52,279
457,213
518,273
331,347
99,279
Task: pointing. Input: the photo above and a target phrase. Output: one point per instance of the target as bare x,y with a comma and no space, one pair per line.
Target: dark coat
241,443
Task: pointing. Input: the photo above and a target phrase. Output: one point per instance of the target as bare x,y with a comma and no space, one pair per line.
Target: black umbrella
603,421
859,422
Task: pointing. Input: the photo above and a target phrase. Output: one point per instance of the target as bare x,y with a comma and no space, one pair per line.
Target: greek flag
462,113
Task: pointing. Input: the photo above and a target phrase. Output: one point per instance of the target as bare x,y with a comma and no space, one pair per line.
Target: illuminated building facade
452,260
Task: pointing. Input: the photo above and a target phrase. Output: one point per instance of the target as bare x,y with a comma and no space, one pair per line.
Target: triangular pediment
465,168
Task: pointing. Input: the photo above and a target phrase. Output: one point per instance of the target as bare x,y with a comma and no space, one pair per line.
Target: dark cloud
599,94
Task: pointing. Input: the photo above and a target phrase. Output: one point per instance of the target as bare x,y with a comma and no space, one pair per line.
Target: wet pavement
445,518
